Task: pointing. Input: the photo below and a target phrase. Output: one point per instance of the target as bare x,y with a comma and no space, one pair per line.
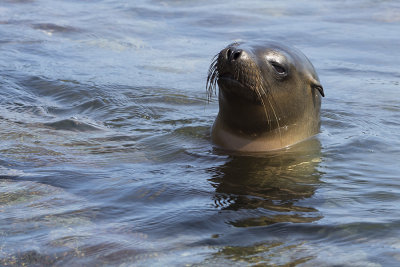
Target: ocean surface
105,151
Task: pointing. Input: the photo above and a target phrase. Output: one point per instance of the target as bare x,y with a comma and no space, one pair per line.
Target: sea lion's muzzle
237,74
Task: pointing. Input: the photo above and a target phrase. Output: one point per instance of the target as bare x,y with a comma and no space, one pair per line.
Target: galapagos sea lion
269,97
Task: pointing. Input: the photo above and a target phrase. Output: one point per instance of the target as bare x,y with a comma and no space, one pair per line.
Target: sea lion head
267,91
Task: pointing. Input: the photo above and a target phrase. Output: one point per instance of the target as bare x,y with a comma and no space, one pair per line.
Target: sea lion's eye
279,68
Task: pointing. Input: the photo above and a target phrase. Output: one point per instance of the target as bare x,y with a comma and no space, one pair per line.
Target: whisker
276,117
264,106
261,83
278,107
212,78
269,97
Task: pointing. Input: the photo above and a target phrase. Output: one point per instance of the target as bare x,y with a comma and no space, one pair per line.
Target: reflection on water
264,254
275,185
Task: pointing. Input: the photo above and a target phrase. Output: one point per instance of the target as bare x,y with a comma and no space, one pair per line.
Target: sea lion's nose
233,54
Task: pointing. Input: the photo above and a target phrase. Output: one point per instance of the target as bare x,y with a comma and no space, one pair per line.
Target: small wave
7,172
72,124
50,28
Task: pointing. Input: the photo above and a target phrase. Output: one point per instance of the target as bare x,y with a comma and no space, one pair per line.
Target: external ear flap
316,85
319,88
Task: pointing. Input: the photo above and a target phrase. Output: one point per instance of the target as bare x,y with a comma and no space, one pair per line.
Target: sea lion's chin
233,89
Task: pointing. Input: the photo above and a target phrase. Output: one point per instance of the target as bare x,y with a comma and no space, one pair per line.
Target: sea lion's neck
245,126
278,138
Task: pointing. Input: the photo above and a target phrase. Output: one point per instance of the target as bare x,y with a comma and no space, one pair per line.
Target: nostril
237,54
228,53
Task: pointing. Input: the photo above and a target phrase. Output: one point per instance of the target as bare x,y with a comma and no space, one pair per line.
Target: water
105,146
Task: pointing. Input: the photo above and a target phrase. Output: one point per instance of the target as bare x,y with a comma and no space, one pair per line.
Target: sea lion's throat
244,115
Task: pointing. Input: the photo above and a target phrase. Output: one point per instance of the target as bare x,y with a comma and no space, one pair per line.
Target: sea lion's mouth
231,85
228,77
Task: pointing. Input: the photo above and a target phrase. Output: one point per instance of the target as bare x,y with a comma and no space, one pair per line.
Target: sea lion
269,97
